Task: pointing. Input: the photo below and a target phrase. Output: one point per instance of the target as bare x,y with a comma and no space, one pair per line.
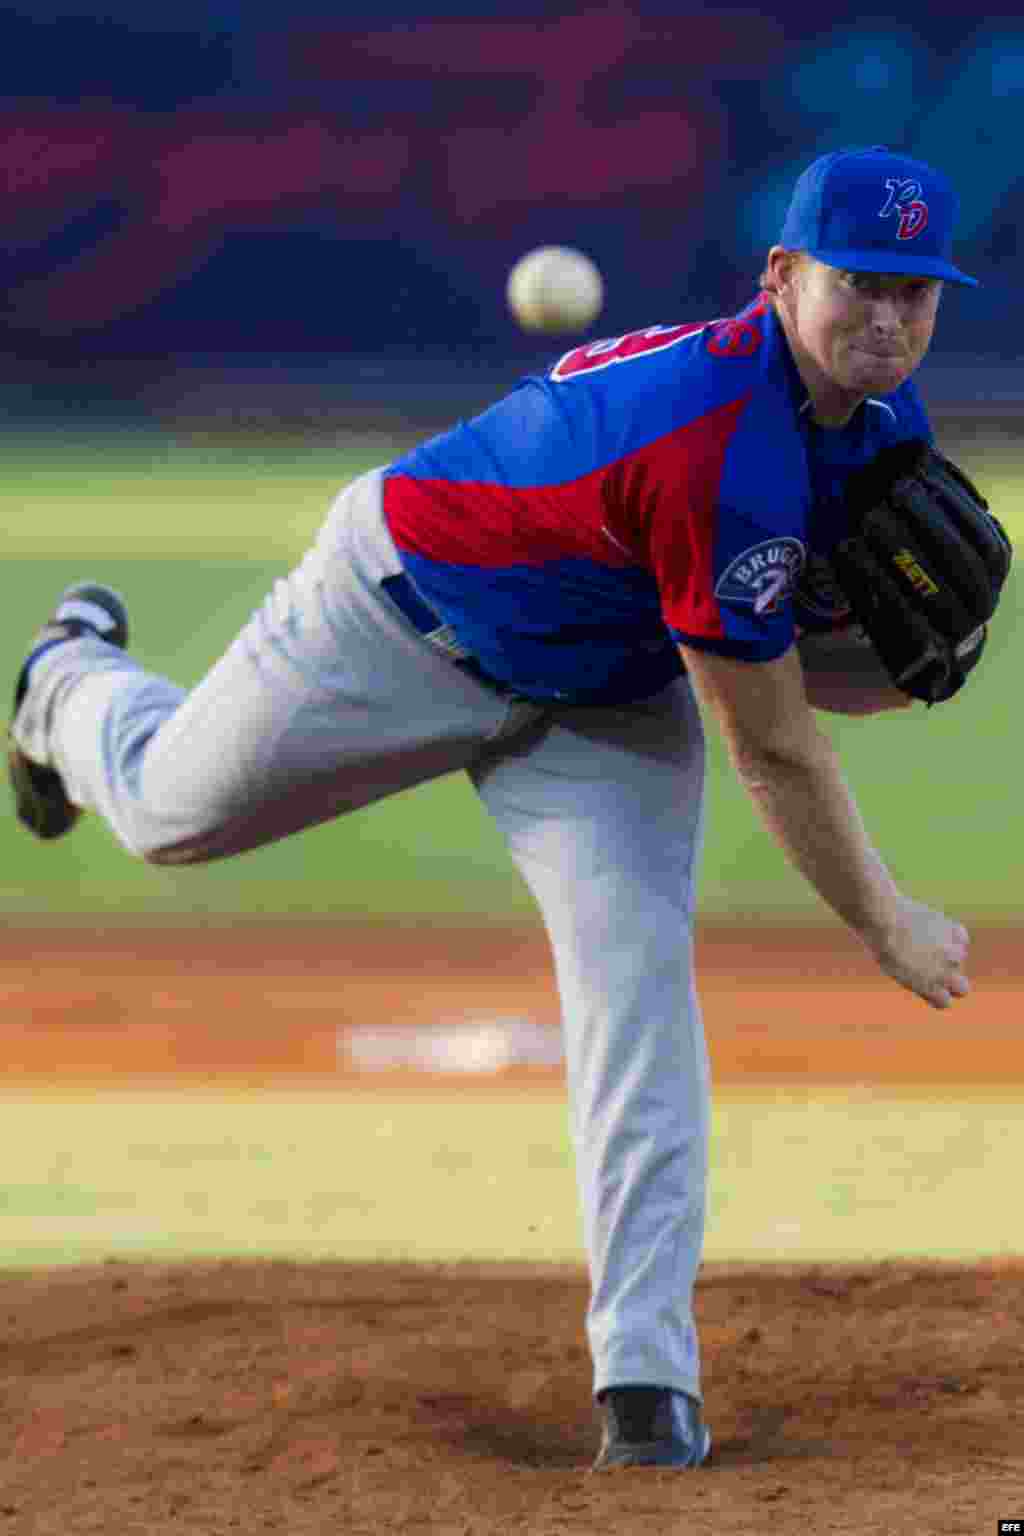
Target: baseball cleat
651,1427
83,609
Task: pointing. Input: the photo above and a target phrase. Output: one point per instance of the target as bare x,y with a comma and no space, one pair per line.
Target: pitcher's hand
925,951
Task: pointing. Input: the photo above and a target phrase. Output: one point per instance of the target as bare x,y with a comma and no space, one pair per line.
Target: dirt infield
215,1398
331,1399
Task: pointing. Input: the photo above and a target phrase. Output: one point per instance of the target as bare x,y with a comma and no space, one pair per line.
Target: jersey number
622,349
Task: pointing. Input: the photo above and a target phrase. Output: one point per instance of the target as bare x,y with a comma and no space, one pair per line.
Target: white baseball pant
330,699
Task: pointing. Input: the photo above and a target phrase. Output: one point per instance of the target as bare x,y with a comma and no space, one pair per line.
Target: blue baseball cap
869,210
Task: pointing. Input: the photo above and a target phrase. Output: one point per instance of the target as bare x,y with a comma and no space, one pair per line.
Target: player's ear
780,271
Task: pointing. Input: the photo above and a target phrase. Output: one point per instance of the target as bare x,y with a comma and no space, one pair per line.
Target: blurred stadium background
250,251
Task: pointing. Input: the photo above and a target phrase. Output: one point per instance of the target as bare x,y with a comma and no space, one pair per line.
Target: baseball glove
922,568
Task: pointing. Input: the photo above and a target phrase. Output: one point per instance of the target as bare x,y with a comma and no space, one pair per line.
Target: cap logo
905,200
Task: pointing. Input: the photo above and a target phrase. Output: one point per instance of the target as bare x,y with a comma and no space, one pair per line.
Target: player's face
865,331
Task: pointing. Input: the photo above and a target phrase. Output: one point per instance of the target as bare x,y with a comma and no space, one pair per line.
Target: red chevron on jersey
509,525
653,508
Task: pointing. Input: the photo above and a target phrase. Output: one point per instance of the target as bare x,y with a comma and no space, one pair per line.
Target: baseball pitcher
742,520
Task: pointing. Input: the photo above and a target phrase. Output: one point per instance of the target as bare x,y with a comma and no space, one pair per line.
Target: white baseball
555,288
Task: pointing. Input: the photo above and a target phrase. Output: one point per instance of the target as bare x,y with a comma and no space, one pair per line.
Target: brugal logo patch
762,576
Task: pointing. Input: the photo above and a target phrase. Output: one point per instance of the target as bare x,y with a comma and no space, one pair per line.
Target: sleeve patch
763,576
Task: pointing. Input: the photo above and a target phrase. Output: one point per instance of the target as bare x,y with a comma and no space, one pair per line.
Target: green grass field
797,1175
195,532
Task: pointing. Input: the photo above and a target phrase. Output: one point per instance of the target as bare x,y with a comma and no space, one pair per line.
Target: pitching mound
332,1398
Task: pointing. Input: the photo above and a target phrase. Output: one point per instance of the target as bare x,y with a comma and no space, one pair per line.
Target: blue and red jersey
661,487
